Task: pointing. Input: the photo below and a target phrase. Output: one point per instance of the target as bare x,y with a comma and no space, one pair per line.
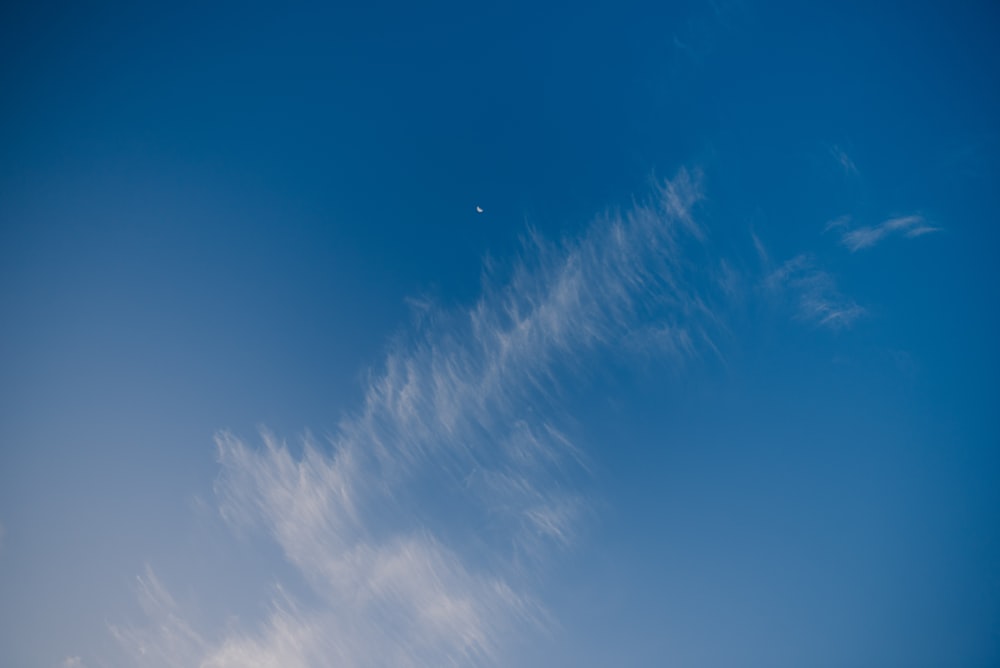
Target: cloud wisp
813,291
168,639
860,238
844,160
419,528
420,524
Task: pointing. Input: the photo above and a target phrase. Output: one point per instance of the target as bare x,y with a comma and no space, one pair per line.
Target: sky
516,334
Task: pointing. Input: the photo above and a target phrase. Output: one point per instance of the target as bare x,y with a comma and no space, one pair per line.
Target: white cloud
167,640
73,662
814,293
844,160
838,223
865,237
762,255
419,525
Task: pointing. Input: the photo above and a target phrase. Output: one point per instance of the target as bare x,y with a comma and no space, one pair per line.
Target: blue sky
711,380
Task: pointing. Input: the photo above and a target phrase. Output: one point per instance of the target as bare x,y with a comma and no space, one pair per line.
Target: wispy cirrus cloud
420,526
420,523
168,639
812,290
844,160
860,238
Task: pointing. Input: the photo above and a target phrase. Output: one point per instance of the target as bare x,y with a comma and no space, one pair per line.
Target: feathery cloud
814,292
167,640
844,160
838,223
865,237
418,525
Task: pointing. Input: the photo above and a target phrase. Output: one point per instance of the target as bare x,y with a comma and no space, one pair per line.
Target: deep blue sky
780,394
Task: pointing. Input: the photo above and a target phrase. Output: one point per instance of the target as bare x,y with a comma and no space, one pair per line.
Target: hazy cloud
865,237
166,639
843,160
419,524
813,293
838,223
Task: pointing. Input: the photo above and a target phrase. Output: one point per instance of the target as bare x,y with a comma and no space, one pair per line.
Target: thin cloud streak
813,292
866,237
420,523
838,223
844,160
168,639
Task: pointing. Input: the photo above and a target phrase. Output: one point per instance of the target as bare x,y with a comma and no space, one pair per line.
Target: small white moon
479,209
